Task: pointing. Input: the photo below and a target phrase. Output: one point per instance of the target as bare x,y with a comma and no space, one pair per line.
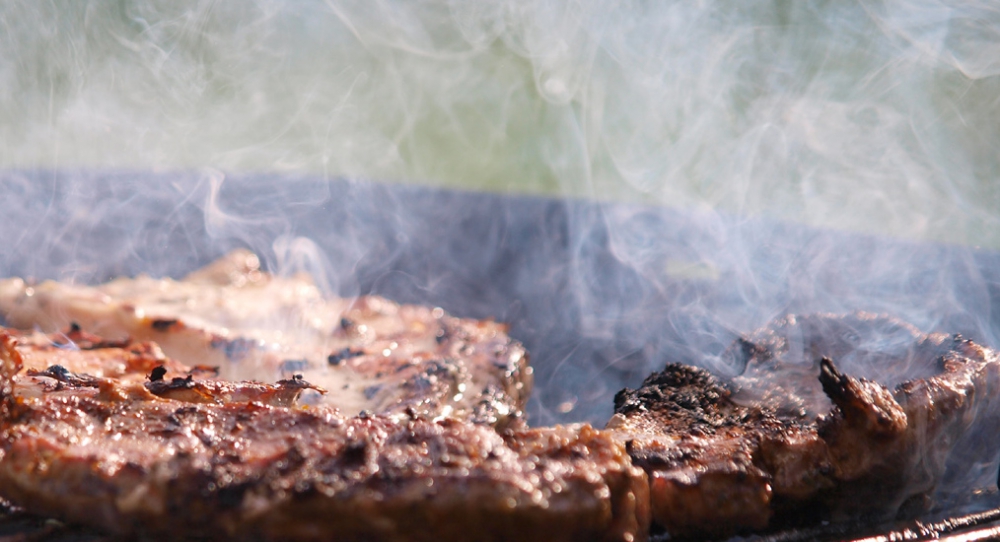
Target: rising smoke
870,116
716,165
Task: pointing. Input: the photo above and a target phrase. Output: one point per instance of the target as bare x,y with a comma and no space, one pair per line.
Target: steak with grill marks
737,456
140,445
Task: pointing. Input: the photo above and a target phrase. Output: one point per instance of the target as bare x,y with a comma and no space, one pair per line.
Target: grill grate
978,525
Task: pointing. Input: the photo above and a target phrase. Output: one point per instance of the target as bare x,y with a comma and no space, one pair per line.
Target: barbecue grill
601,293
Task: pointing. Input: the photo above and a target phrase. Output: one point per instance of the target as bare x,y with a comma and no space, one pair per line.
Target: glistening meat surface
718,466
372,353
240,460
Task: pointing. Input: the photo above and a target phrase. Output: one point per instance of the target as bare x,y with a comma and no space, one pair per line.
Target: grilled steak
372,354
115,434
721,462
165,453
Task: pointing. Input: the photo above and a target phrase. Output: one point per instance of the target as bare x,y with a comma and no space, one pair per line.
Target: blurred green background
875,116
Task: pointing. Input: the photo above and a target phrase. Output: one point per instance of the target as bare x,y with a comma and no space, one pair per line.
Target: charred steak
154,449
718,465
372,354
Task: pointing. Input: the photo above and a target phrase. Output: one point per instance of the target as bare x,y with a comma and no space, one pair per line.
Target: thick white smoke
871,116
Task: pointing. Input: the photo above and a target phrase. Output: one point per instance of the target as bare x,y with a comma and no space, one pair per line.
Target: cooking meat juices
120,421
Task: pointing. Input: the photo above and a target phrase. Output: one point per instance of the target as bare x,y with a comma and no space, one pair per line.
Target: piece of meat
698,448
371,354
126,456
781,361
719,466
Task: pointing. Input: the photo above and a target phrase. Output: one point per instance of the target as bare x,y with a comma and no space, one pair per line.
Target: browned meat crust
127,456
718,467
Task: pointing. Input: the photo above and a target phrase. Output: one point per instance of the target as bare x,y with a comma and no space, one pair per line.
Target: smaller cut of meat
719,466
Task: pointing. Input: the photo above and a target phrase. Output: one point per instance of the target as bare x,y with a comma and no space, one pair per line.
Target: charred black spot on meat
57,372
677,387
64,376
158,373
163,324
164,387
833,381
